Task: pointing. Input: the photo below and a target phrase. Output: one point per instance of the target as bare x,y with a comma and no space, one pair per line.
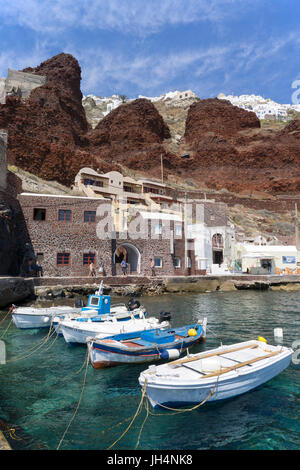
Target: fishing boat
224,372
144,346
99,309
29,317
80,330
98,305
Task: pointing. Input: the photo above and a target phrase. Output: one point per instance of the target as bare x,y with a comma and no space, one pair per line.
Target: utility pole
296,225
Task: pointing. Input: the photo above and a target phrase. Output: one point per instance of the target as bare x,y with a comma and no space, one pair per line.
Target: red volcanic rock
135,124
292,129
46,134
132,135
218,117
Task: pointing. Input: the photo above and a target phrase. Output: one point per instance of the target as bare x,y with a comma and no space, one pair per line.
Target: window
90,216
177,262
94,301
39,214
178,230
88,182
64,215
99,184
88,258
63,259
158,262
40,256
188,262
158,229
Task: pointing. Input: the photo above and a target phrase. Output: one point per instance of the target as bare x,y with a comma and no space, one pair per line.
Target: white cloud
139,16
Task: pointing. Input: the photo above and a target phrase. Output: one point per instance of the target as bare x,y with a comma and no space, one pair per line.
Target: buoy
261,338
170,354
278,333
192,332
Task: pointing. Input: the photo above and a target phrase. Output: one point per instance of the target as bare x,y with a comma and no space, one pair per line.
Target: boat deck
229,361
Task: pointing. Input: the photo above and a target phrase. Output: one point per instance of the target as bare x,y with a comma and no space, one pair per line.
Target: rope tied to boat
148,412
138,411
5,316
86,362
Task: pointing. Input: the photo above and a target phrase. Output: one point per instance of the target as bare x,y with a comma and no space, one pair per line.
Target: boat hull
75,334
27,318
26,321
169,394
106,355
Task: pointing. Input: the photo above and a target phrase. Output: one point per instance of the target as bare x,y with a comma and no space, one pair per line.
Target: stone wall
25,82
51,236
2,90
3,164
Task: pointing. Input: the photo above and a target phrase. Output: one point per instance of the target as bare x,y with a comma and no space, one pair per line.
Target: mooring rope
78,404
7,328
142,427
139,409
5,316
33,349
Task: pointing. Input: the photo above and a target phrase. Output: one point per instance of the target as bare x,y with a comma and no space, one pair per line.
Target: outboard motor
165,316
133,304
79,303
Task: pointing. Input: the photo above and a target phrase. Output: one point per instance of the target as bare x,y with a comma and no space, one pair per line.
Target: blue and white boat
218,374
98,306
99,309
144,346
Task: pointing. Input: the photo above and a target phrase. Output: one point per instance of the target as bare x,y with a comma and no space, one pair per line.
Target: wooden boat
220,373
80,330
99,306
144,346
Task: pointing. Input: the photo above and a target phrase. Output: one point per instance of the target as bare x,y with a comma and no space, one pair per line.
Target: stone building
68,232
213,236
21,83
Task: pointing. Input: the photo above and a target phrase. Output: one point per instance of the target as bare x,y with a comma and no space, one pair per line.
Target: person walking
152,267
92,270
124,267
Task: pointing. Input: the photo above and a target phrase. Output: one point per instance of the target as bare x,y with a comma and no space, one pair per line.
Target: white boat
98,306
29,317
80,330
220,373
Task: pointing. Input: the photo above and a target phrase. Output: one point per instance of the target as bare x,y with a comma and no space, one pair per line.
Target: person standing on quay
152,267
124,267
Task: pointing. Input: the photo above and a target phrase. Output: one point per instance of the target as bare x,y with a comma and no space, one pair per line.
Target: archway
131,255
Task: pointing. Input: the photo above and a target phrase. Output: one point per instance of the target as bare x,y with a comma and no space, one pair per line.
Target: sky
150,47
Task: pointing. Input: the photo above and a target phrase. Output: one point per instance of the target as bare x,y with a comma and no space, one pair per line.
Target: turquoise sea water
39,394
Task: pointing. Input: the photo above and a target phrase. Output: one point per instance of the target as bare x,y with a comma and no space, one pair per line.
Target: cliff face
219,117
132,135
231,151
48,135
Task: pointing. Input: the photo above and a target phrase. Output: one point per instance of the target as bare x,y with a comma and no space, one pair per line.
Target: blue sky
150,47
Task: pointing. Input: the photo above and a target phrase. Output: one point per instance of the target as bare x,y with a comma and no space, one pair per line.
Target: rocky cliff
48,135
